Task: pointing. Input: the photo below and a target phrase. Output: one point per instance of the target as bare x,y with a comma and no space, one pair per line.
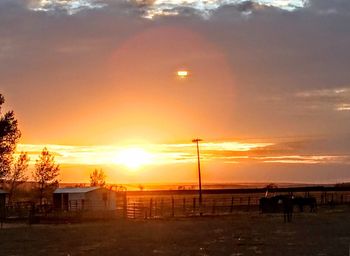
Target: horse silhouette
301,202
279,203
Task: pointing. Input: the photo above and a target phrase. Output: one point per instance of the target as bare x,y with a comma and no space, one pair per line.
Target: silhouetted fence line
169,207
171,204
154,205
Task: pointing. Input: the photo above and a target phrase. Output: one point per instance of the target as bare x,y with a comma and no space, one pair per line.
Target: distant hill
188,186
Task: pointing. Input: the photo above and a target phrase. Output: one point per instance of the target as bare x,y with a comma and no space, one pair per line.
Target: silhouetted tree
17,175
46,173
119,188
9,136
97,178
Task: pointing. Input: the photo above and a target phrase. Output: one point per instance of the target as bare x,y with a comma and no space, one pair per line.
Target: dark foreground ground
324,233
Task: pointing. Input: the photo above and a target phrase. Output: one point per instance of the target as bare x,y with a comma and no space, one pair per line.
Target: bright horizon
126,85
142,163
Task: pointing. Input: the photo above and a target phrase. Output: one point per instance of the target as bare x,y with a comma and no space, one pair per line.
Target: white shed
86,198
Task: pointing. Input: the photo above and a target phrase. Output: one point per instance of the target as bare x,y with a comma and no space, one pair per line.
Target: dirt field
324,233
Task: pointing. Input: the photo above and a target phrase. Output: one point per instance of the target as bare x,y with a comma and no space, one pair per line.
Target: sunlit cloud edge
156,8
167,154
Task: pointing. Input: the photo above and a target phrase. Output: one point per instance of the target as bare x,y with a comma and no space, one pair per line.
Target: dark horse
279,203
301,202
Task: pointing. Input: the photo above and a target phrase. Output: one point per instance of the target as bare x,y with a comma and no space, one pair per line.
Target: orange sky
91,80
173,163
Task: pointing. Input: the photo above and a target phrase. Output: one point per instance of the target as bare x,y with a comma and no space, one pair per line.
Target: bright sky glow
130,158
234,146
343,107
133,158
307,159
136,156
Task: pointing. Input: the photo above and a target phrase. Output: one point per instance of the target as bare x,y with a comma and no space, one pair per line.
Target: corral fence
164,204
27,210
33,213
185,203
165,207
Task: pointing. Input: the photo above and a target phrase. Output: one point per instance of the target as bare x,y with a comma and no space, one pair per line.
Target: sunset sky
267,88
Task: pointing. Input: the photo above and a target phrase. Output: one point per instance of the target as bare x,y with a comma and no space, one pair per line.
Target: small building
85,198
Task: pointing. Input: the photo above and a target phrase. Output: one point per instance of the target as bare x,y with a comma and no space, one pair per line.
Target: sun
133,158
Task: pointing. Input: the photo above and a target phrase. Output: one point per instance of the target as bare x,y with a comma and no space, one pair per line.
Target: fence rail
167,206
170,204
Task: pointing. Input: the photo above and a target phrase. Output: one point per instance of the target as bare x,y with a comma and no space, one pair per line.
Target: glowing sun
133,158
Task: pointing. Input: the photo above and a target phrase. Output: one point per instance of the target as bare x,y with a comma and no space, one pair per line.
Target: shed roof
74,190
3,192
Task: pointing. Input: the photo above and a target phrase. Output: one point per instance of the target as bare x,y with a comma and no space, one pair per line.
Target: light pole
199,175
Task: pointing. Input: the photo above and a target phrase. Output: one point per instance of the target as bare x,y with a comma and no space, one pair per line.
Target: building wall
76,201
100,199
96,200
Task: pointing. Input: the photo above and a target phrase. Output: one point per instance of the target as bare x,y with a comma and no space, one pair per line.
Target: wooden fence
155,205
168,207
174,204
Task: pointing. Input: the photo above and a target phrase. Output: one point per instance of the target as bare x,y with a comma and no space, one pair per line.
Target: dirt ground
326,232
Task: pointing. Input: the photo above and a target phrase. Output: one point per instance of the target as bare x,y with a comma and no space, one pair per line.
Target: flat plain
326,232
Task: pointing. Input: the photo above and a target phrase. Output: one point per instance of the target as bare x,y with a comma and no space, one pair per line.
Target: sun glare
133,158
182,73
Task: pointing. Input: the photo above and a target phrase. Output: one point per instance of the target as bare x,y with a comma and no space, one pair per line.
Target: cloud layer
154,8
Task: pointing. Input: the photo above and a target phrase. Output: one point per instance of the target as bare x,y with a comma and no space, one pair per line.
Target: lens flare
182,74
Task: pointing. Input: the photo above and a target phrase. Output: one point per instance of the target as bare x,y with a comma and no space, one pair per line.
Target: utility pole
199,175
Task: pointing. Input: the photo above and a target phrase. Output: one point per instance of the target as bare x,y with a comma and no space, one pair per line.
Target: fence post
144,209
194,205
231,209
172,207
31,215
155,207
125,206
150,207
184,206
161,207
214,204
134,210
